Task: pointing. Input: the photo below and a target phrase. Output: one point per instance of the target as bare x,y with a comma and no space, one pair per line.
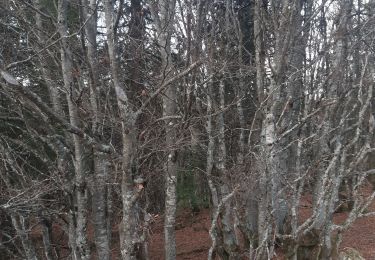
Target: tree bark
129,235
164,24
99,188
47,237
19,223
81,193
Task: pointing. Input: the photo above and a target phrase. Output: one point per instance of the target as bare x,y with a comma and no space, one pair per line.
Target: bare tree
163,14
98,98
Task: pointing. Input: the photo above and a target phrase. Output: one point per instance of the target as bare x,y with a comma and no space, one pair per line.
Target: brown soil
192,236
193,240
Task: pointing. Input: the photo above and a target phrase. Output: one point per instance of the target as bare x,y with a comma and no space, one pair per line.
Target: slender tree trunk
57,107
240,109
129,233
99,188
100,207
47,237
209,169
227,217
329,181
276,119
81,192
264,200
45,62
164,18
20,224
169,109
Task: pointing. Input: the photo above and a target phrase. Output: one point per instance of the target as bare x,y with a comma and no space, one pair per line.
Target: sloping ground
193,240
361,236
192,236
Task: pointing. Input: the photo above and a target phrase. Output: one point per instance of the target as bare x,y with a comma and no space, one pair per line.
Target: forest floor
193,240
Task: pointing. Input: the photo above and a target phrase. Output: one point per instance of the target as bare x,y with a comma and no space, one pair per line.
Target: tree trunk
47,237
263,227
164,20
99,206
209,169
99,188
129,233
81,192
20,225
227,217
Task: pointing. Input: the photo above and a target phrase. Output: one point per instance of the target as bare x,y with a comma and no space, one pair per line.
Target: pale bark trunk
57,107
72,234
248,216
328,185
99,206
44,62
263,227
20,225
265,188
240,110
273,204
47,237
209,168
224,240
170,109
90,14
128,235
330,116
299,108
214,225
164,19
211,149
80,181
227,217
128,230
99,189
259,50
